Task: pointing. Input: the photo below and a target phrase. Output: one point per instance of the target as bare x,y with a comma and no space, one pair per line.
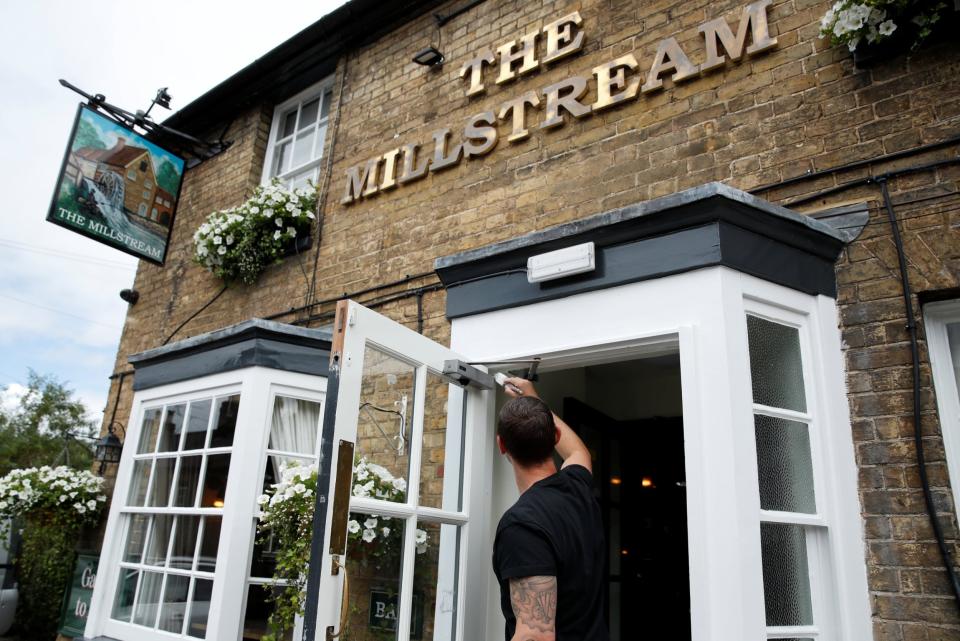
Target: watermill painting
117,187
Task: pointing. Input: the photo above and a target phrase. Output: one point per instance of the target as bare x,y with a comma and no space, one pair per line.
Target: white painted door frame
703,313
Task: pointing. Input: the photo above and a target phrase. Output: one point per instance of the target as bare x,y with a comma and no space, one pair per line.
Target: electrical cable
80,258
917,431
59,311
505,272
195,314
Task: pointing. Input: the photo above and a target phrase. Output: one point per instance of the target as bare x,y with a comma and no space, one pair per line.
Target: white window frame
314,91
936,318
228,598
704,313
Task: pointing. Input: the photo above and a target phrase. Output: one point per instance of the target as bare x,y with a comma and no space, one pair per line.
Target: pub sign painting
117,187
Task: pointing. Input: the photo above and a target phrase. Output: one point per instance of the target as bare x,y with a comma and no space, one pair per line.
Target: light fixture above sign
429,57
561,263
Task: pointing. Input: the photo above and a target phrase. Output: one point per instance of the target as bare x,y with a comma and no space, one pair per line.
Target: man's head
526,431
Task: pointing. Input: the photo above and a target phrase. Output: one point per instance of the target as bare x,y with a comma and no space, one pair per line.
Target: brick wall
799,108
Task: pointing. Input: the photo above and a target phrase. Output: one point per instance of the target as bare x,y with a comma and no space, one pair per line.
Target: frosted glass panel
786,576
785,465
775,365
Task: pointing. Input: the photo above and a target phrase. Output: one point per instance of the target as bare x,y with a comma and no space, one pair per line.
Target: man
548,554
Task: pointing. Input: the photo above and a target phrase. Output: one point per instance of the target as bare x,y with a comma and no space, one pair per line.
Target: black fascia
706,226
253,343
301,61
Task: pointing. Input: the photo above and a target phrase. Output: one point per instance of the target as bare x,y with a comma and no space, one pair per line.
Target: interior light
623,553
218,503
615,480
647,482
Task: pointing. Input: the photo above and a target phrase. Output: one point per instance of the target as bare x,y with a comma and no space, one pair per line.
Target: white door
396,519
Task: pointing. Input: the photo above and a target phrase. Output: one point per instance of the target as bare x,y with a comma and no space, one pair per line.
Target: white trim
256,386
702,313
316,90
936,318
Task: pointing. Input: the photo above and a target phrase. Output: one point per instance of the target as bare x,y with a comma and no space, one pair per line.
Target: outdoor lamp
108,449
428,57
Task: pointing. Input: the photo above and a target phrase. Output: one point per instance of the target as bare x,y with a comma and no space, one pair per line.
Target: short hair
526,427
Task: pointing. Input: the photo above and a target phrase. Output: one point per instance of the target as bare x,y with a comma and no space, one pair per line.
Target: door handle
344,600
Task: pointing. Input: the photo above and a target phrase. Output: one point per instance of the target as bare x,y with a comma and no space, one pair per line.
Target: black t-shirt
555,529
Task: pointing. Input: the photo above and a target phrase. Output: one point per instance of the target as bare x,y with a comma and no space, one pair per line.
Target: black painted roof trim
301,61
249,329
712,202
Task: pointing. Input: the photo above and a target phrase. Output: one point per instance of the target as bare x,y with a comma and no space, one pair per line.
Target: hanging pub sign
117,187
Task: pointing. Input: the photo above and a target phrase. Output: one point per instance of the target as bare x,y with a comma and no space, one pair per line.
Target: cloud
10,396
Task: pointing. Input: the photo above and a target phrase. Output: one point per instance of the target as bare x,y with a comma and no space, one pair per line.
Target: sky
60,310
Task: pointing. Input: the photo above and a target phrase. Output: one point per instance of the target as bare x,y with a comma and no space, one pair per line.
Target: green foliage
286,518
239,243
53,504
167,177
87,136
48,426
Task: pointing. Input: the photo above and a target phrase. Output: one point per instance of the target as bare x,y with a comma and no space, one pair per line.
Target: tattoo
534,601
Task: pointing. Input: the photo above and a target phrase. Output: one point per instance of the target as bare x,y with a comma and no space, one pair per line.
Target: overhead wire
65,255
59,311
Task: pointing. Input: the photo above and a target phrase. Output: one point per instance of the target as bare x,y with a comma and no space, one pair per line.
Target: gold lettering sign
616,83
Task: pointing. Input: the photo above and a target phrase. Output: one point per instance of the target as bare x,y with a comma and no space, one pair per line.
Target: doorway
629,414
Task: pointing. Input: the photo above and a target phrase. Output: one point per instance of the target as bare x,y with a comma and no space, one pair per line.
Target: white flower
63,498
299,488
310,215
385,531
277,234
362,473
254,210
263,499
420,537
268,212
369,535
353,527
290,207
370,523
91,504
400,485
217,240
852,45
291,232
827,18
421,548
221,250
876,16
230,239
279,221
886,28
80,508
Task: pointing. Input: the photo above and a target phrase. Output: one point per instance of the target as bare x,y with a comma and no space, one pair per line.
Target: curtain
294,428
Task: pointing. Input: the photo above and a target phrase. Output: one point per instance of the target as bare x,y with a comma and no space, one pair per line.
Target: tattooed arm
534,601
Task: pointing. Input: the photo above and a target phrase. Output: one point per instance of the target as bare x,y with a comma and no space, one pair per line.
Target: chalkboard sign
76,600
384,612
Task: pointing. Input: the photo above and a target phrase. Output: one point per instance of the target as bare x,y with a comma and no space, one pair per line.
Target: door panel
402,514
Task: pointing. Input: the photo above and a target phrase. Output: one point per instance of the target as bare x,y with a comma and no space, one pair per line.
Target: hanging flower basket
238,244
877,30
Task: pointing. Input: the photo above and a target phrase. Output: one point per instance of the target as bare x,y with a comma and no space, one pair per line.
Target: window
142,209
173,515
942,321
166,203
791,528
146,193
297,137
147,184
132,175
159,200
294,425
153,214
143,165
178,559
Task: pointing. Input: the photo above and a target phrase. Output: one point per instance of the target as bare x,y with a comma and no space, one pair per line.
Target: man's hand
515,383
570,448
534,601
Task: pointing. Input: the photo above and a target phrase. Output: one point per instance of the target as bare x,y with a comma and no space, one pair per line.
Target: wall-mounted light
647,482
615,480
130,295
108,449
429,57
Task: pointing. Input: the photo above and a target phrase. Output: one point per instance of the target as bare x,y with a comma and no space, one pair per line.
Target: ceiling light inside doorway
647,482
615,480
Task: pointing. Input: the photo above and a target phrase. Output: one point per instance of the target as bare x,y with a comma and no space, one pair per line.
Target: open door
392,549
